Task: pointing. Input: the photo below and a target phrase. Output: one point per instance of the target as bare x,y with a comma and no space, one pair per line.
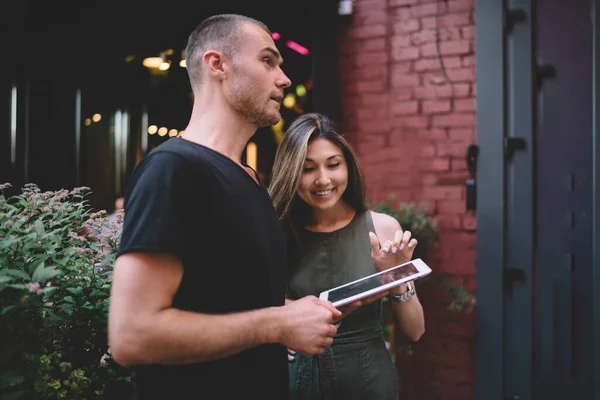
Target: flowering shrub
56,261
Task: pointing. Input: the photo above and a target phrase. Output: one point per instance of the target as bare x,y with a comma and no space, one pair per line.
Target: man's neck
219,128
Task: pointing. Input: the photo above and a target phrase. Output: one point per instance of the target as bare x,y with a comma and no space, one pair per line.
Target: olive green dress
357,366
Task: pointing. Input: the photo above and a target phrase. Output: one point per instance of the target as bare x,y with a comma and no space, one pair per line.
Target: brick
453,120
370,87
363,148
406,80
427,64
432,134
428,150
468,61
453,177
400,41
457,329
448,222
402,182
457,240
422,37
460,5
429,179
461,74
429,50
371,18
374,126
465,105
455,48
449,34
373,138
405,108
451,206
373,58
450,345
407,26
423,10
434,164
441,193
370,73
367,31
401,14
459,164
365,112
401,94
413,121
399,68
466,258
405,53
436,106
374,99
372,45
469,222
467,32
366,6
454,360
400,3
452,62
451,149
447,21
462,134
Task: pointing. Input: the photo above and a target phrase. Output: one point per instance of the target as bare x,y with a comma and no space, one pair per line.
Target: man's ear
214,64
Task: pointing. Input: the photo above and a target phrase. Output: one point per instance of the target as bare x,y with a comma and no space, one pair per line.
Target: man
197,303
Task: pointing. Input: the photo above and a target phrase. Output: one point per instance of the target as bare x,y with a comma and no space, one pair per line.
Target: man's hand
308,325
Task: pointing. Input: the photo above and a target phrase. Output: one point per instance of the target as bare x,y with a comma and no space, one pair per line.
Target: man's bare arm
144,328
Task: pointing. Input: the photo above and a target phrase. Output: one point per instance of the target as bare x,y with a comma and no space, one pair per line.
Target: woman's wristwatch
410,292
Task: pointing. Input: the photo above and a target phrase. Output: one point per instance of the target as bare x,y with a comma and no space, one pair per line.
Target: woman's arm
397,248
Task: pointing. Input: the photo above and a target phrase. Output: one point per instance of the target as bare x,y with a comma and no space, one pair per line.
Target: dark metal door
538,240
563,362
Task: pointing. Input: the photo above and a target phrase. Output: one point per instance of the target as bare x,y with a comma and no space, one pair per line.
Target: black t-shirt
195,203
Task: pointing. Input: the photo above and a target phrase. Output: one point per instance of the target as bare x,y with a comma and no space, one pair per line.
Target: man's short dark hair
220,32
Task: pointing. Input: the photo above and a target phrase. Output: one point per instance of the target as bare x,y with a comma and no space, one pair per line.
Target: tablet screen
372,282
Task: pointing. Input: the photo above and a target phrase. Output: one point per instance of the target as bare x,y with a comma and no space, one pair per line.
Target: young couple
217,277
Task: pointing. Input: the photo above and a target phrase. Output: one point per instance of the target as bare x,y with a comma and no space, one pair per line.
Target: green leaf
11,379
53,315
36,263
39,227
9,309
47,291
18,273
42,273
17,286
75,291
4,279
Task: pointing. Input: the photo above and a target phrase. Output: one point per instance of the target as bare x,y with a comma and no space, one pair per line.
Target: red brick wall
411,123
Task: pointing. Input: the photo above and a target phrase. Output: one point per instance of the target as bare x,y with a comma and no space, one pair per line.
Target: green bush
56,261
420,223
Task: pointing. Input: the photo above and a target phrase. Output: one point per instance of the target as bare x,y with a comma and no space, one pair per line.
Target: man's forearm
173,336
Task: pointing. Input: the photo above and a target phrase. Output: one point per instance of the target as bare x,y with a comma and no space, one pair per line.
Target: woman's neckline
338,229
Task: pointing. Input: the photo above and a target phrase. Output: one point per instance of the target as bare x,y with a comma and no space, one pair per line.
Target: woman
318,191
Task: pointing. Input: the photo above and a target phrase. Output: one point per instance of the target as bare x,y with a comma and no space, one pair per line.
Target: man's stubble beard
243,97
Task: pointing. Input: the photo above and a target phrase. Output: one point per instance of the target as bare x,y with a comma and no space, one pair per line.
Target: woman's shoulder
384,222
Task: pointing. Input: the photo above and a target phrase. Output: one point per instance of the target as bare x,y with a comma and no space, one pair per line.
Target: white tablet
376,283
